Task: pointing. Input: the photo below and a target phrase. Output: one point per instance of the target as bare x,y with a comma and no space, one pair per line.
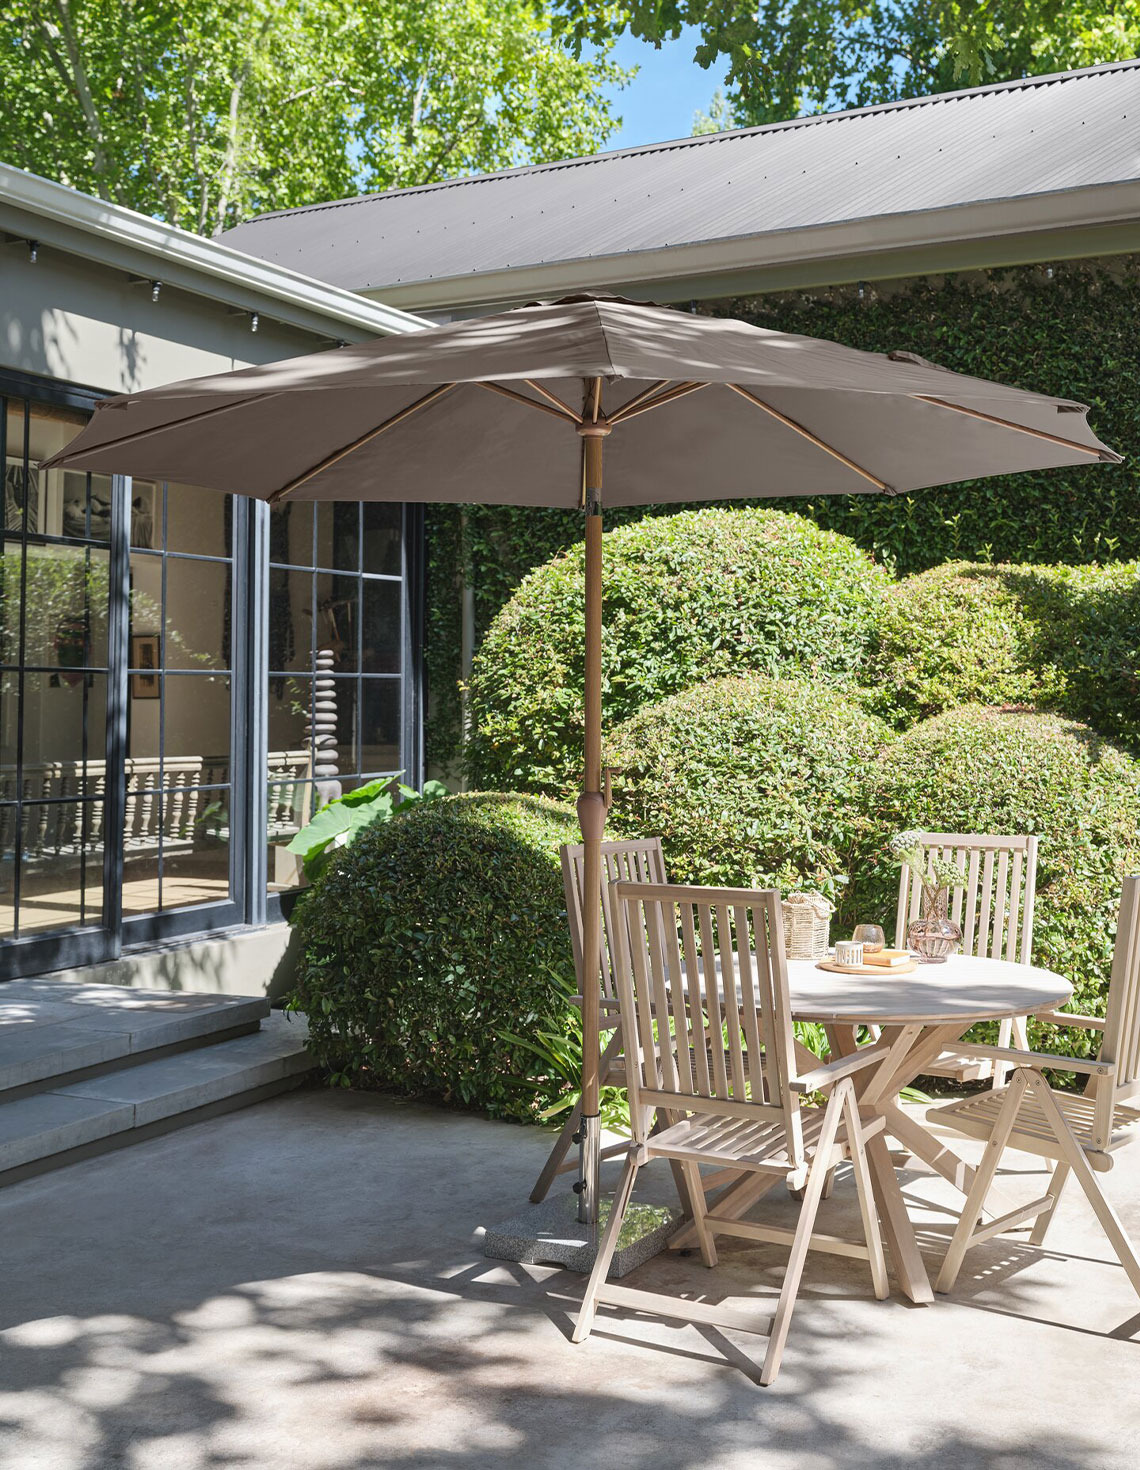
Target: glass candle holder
871,937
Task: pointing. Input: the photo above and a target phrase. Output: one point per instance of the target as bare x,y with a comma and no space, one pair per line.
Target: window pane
343,696
61,876
65,717
382,629
288,715
291,535
338,626
197,614
290,620
383,532
380,733
195,847
290,805
86,513
146,612
196,723
338,535
146,514
199,521
66,593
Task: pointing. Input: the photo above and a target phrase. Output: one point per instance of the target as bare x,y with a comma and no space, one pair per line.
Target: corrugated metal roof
1012,140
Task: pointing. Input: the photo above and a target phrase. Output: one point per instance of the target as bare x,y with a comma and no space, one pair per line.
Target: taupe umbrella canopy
515,409
890,423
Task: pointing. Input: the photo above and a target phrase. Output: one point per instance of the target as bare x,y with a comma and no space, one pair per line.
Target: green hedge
1066,638
982,770
1076,334
687,597
958,634
431,941
750,781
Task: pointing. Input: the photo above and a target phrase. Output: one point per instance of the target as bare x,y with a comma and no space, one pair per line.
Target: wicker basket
807,925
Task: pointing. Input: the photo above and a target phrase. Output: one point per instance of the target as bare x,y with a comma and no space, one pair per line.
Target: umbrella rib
561,411
681,390
339,454
812,438
192,418
640,398
1106,457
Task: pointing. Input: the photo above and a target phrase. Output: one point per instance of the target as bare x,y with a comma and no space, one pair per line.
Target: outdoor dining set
699,1000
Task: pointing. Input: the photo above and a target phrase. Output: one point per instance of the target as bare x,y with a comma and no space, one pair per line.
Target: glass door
56,697
180,809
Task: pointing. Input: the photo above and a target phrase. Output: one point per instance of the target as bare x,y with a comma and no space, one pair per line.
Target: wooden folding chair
1079,1132
993,904
699,962
640,861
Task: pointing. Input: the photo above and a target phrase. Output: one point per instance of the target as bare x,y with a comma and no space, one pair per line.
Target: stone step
77,1118
52,1030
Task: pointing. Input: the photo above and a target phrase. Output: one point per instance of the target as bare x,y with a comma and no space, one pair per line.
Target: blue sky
660,101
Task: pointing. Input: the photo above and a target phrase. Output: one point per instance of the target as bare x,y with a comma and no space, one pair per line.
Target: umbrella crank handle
607,786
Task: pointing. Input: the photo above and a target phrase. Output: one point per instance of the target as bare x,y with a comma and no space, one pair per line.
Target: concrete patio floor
301,1285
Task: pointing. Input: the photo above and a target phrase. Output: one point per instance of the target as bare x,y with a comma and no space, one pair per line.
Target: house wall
73,319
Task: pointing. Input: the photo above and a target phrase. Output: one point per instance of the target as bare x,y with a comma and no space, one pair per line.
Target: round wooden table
920,1014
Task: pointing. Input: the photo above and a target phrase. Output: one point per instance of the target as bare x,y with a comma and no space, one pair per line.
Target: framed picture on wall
21,487
144,661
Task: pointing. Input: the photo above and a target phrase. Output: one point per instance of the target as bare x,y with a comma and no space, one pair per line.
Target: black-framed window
341,661
158,699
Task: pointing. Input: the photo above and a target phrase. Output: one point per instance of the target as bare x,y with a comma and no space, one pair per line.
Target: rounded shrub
1093,640
748,780
984,770
962,633
435,939
688,597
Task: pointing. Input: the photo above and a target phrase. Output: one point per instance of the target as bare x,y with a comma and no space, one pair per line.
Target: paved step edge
68,1051
127,1100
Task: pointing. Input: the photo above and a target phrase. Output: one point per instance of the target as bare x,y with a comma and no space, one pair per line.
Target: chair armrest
833,1071
1064,1018
1035,1059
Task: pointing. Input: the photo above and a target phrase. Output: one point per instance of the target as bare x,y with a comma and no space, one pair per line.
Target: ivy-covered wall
1071,330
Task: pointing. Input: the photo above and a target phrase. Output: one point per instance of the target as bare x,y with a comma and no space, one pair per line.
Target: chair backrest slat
994,901
639,861
1121,1042
702,979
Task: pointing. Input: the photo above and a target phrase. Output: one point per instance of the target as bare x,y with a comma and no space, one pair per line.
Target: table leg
900,1238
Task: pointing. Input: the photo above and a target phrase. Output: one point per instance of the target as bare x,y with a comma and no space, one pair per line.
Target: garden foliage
749,781
435,939
983,770
687,597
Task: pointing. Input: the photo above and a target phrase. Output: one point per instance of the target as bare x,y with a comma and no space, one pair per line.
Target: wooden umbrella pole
592,820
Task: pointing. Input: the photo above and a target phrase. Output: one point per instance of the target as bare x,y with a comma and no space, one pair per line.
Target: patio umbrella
519,408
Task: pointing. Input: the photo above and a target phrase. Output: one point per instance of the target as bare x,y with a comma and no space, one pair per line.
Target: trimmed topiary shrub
958,634
1066,638
749,781
688,597
434,939
982,770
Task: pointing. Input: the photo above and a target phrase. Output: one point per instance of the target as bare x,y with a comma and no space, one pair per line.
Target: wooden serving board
906,969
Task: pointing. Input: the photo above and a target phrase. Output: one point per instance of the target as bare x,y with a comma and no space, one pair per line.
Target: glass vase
933,936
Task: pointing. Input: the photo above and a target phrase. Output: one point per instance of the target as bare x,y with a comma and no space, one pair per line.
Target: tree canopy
788,57
203,112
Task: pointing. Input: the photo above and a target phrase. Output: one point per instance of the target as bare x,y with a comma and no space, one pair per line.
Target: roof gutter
120,237
1099,219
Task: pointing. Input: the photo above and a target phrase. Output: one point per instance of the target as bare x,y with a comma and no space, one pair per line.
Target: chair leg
557,1154
871,1232
570,1127
1075,1157
605,1252
696,1194
983,1176
1044,1219
801,1241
